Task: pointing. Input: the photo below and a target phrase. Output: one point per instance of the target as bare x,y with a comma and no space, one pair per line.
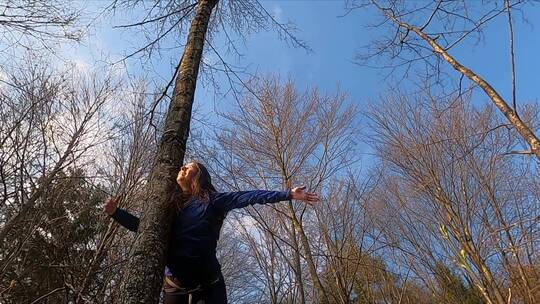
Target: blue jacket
192,248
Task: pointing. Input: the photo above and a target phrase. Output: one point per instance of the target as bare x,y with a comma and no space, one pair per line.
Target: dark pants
212,294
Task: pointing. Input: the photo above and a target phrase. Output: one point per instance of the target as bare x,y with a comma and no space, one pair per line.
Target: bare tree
48,106
448,193
144,280
53,122
428,32
124,169
149,259
275,131
37,25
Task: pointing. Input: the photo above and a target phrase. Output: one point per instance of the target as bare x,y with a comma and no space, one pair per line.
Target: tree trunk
321,294
145,278
297,266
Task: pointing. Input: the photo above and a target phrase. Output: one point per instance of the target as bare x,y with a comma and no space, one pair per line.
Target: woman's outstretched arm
235,200
121,216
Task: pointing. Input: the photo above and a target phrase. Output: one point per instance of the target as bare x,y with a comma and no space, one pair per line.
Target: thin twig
157,18
48,294
158,100
512,54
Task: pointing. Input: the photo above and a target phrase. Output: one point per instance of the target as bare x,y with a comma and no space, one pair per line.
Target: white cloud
81,65
277,12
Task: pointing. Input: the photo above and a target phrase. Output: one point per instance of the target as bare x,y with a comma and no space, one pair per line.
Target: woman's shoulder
213,196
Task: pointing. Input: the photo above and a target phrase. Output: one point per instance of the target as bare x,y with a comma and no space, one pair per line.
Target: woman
194,273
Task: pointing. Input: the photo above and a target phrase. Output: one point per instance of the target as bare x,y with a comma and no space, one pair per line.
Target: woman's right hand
110,206
300,193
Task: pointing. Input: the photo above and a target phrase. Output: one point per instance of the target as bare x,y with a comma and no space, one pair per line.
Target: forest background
429,191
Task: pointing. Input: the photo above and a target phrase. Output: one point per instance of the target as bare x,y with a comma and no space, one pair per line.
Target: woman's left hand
300,193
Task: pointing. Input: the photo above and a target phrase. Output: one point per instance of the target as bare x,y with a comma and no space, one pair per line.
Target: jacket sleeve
228,201
126,219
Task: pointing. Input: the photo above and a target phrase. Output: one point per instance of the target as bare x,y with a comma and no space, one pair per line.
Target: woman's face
186,175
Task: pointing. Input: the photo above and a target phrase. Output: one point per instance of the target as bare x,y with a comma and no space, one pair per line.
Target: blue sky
335,40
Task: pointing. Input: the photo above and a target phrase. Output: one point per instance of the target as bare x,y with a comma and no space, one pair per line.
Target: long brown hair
201,186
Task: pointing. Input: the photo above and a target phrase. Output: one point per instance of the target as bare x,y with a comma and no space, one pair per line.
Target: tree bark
145,277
